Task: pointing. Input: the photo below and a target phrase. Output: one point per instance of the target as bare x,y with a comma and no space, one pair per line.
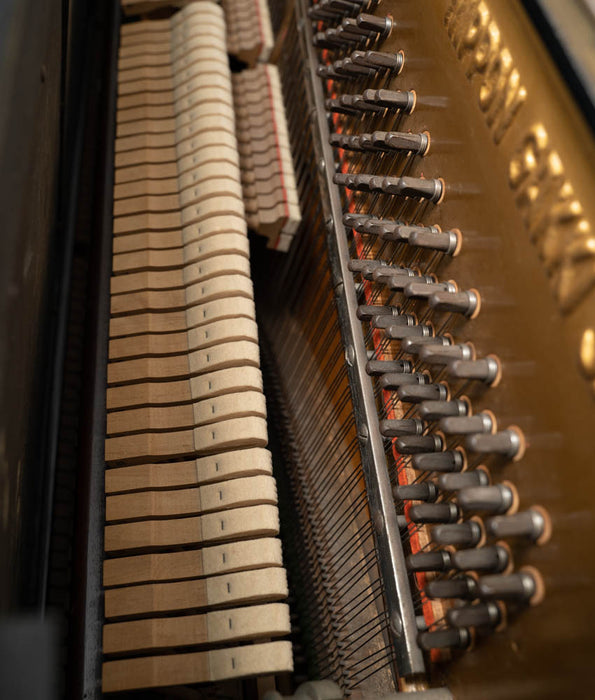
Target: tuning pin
380,60
365,266
429,561
483,422
369,312
398,281
467,534
334,105
467,303
476,615
464,587
401,141
393,380
397,427
463,480
383,322
496,499
393,276
386,229
425,491
417,290
380,26
508,443
396,332
449,461
442,355
533,524
416,187
434,513
419,444
413,346
524,586
493,558
432,238
422,392
435,410
453,638
378,367
351,219
391,99
487,370
347,67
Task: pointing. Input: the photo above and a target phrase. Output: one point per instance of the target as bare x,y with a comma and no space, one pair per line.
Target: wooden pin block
225,435
197,667
225,381
235,493
253,521
215,468
195,563
218,627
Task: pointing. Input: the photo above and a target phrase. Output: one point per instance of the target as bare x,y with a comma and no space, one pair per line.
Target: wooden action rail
192,560
268,178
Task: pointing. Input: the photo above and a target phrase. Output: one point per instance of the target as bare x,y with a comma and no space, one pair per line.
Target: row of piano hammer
193,573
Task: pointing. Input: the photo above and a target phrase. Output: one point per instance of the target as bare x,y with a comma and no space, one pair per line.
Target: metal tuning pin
379,60
449,461
413,346
387,230
429,561
334,105
493,558
400,141
434,513
467,534
392,381
508,443
487,370
463,587
346,66
442,355
426,491
463,480
532,524
397,427
466,303
453,638
496,499
383,322
415,187
351,220
419,444
365,266
380,26
391,274
521,587
475,615
468,425
391,99
399,280
435,410
417,290
396,332
377,367
432,238
367,313
422,392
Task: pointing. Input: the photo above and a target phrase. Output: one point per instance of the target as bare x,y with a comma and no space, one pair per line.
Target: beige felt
195,563
139,324
197,667
215,468
235,493
155,240
178,417
252,521
238,354
207,267
229,434
235,624
224,381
